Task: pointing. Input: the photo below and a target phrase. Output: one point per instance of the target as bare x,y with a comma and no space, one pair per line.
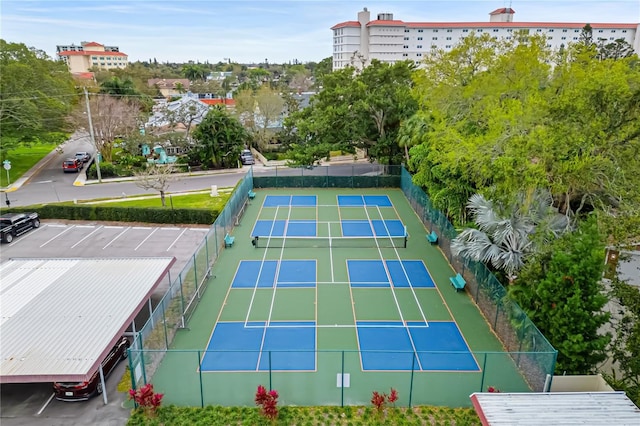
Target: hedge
123,214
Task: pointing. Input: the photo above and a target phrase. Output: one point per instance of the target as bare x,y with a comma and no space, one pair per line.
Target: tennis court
326,296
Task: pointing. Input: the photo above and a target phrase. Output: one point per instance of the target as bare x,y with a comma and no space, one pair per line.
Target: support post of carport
104,386
151,313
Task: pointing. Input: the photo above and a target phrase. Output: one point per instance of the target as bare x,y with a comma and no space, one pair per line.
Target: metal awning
61,317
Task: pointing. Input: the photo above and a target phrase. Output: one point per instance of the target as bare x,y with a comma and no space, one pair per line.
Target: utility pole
93,138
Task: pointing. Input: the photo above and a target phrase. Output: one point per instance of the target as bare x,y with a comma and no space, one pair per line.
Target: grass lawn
181,201
22,159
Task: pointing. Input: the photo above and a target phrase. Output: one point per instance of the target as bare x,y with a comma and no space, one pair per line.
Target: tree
36,95
506,235
111,118
221,138
117,87
270,107
157,177
195,72
560,290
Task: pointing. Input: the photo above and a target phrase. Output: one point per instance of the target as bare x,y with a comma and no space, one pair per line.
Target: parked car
14,224
82,391
72,165
246,157
83,156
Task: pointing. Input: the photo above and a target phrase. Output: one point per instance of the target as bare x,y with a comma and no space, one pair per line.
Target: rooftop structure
356,43
89,55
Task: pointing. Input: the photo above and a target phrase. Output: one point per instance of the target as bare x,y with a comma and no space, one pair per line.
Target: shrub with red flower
493,390
379,400
146,398
268,402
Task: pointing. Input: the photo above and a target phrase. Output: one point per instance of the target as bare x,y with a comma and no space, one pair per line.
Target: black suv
14,224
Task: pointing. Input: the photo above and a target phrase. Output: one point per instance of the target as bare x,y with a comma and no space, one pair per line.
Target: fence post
484,369
200,376
495,321
164,325
181,300
342,382
270,388
195,276
413,364
132,375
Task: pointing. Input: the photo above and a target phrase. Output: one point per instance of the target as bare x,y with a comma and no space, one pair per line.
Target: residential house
170,87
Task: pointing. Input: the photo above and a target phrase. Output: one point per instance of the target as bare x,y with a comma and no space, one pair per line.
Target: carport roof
60,317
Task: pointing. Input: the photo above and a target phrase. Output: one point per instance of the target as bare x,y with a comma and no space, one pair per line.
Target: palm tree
115,86
412,132
506,236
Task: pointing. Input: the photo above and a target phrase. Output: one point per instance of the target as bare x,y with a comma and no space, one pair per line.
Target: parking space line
140,227
170,229
53,225
148,236
86,226
199,229
90,234
45,404
176,240
25,236
65,231
117,236
113,227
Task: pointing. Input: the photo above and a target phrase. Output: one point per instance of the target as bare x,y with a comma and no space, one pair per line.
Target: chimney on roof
504,14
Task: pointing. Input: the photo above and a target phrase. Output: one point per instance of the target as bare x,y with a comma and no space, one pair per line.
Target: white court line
117,236
66,230
90,234
335,326
176,240
143,241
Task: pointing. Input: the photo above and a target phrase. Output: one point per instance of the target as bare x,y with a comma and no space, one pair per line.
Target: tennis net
331,242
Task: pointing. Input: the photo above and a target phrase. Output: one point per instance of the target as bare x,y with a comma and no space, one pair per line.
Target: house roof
346,24
84,75
502,10
60,317
219,101
169,83
92,43
556,408
90,52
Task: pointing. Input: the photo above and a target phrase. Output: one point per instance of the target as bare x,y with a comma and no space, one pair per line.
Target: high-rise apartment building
88,55
388,40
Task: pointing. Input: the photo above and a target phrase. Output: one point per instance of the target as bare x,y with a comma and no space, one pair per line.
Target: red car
81,391
72,165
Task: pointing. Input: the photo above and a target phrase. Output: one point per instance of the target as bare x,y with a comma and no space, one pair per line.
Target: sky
254,31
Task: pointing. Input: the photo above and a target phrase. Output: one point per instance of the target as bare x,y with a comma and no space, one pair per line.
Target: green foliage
625,346
354,111
125,214
23,157
560,290
217,415
221,138
36,95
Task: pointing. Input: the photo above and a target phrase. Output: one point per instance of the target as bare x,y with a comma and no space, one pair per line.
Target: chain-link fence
528,353
185,291
356,175
514,328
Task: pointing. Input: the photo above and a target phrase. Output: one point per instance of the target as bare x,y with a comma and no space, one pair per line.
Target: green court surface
328,295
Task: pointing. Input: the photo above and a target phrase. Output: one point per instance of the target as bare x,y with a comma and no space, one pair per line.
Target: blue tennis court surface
376,273
378,228
254,347
290,273
364,200
277,228
387,345
290,200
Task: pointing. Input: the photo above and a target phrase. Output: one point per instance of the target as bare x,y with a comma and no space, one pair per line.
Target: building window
575,38
434,38
405,54
418,54
448,46
576,31
419,46
406,38
94,58
495,30
551,30
449,31
479,30
406,30
600,31
564,31
539,30
405,46
448,38
435,31
95,63
465,30
433,46
420,31
509,38
564,38
510,30
624,31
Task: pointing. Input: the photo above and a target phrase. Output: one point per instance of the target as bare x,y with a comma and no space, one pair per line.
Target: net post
270,388
342,382
413,366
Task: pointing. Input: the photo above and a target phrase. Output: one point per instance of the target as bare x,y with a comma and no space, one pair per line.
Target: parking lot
31,404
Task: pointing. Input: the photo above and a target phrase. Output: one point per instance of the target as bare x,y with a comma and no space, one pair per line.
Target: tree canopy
221,138
36,95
